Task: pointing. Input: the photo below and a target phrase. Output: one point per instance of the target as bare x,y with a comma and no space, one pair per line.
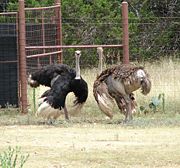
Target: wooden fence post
59,30
22,58
125,33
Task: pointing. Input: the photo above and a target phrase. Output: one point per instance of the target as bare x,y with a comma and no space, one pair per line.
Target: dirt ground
94,146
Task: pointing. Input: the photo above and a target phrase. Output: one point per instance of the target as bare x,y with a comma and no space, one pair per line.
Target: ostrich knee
128,114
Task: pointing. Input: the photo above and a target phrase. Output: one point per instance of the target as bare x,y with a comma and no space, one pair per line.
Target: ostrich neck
77,69
100,66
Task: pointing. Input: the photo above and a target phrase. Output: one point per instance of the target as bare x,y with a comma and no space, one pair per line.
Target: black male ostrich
62,80
118,83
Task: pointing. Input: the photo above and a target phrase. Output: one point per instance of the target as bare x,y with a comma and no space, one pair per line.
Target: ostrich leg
128,114
66,113
121,104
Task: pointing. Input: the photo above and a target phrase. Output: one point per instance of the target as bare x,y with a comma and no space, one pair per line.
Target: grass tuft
13,158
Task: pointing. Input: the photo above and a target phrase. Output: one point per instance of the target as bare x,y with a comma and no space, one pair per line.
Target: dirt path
94,146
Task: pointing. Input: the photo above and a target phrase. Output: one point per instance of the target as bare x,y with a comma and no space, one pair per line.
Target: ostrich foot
128,118
50,122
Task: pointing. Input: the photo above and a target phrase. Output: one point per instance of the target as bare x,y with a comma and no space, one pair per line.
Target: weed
154,104
12,158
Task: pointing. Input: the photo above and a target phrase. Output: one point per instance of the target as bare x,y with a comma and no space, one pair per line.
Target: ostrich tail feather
104,100
105,104
40,101
47,112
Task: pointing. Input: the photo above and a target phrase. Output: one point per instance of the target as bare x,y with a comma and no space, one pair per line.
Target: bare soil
94,146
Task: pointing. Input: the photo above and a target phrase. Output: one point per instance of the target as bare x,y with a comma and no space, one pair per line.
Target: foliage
153,25
13,4
12,158
92,22
154,104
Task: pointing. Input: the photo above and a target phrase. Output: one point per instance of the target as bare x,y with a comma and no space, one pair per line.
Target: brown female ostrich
62,80
118,83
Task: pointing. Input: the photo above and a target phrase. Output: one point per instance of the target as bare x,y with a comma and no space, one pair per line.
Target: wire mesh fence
161,56
3,5
41,30
145,47
154,43
8,60
154,38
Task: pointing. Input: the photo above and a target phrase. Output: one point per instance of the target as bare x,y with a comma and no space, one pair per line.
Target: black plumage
81,92
62,80
45,75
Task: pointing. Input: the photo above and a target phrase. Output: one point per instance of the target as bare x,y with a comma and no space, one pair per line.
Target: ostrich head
77,55
145,82
32,82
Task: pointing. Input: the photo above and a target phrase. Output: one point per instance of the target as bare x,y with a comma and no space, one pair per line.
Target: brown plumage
118,83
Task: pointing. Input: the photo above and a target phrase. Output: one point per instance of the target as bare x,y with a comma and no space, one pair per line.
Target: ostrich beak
145,86
32,82
78,53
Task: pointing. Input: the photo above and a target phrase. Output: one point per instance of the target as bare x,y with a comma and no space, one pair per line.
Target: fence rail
75,46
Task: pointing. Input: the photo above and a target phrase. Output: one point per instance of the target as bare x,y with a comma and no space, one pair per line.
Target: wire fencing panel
154,38
8,60
3,5
154,43
86,31
41,30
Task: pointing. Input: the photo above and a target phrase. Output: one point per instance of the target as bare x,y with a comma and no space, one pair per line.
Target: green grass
165,79
151,120
90,140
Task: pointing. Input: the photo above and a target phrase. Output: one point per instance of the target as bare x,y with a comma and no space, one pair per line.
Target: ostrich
118,83
120,101
62,80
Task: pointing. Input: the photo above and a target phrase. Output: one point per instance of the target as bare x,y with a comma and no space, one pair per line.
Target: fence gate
8,61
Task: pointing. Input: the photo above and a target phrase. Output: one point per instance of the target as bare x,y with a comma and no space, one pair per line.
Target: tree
153,25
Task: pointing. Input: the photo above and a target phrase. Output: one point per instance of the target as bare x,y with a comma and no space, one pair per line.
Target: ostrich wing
45,94
80,89
56,96
45,75
103,98
132,77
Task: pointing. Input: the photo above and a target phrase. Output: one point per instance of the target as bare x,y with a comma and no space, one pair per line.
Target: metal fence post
125,33
59,30
22,58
